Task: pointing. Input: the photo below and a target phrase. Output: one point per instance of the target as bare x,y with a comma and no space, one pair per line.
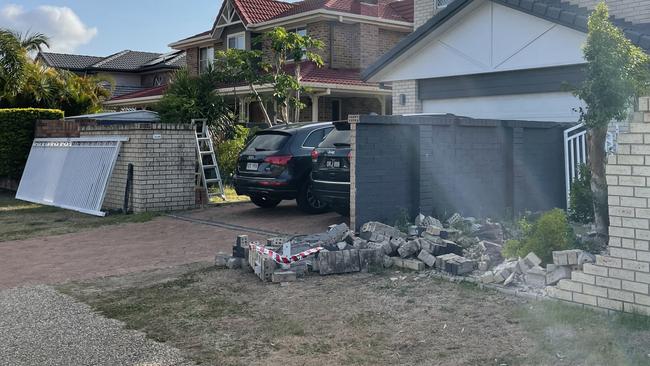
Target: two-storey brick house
355,33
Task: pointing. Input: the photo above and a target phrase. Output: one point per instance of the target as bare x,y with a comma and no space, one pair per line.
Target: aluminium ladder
208,175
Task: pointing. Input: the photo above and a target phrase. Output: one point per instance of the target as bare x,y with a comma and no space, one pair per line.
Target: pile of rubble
460,247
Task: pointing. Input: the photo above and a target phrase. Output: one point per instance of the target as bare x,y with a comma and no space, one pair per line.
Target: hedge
16,135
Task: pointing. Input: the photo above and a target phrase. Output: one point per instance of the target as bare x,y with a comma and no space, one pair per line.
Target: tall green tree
616,73
288,47
235,66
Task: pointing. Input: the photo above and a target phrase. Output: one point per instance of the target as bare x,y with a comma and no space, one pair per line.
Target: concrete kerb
226,225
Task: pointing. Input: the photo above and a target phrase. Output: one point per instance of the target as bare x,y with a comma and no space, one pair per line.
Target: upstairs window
206,57
237,41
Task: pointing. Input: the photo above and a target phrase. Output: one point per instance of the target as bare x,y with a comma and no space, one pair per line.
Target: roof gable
554,11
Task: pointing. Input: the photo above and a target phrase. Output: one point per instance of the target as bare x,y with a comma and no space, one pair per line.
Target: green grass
24,220
568,335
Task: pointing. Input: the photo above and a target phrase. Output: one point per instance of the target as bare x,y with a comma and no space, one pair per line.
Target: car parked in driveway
331,169
276,165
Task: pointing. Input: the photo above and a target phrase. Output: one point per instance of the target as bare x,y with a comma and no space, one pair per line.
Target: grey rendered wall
440,164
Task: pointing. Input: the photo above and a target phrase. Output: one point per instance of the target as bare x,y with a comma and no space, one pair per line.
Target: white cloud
61,24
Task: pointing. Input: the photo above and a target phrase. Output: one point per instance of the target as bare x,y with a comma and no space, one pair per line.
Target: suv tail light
349,155
278,160
314,155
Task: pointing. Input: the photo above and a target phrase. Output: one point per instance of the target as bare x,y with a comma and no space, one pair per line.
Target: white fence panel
70,173
575,154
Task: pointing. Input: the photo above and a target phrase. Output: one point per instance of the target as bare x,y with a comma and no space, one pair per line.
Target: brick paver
162,242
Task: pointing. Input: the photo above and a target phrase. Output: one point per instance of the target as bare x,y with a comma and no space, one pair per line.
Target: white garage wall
557,107
486,38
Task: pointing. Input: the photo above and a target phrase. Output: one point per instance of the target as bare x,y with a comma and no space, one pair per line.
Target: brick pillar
410,102
353,120
620,280
426,169
424,10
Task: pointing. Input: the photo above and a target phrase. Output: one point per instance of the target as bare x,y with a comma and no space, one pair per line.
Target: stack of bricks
163,158
620,280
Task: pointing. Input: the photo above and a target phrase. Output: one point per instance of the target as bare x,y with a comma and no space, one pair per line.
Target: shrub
581,204
16,136
548,233
228,152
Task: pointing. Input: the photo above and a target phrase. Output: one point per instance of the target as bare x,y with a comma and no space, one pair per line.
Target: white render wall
487,38
557,107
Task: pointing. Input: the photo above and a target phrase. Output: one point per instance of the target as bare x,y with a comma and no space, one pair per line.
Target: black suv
276,163
331,169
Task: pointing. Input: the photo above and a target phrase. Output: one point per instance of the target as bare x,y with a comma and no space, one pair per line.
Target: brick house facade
353,37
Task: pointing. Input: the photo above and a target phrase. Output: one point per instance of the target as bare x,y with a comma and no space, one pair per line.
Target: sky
103,27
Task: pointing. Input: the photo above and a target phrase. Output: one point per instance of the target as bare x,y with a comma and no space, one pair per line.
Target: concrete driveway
190,236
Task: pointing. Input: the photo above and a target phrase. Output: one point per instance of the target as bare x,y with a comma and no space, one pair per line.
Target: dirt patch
230,318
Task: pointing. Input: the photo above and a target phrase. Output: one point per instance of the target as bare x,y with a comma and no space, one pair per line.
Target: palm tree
14,50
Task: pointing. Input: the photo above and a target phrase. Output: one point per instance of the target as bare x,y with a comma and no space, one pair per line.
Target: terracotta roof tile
256,11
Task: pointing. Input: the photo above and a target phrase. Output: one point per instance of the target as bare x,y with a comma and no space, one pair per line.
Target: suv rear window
336,138
268,142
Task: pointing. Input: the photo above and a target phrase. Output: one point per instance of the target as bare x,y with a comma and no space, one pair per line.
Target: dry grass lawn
223,317
23,220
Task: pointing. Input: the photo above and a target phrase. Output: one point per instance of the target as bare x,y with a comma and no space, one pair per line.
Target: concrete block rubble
459,247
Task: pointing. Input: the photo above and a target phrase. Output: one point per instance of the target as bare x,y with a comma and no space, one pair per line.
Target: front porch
323,104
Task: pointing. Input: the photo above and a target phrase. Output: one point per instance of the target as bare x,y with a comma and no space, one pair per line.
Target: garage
496,59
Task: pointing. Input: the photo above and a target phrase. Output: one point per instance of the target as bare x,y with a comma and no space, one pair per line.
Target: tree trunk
259,100
597,159
297,107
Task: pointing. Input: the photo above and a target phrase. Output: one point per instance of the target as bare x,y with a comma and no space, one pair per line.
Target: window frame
236,35
205,59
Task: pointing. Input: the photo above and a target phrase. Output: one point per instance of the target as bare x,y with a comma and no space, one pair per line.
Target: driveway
191,236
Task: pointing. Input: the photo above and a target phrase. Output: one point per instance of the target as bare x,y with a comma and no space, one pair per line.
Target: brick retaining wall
163,158
620,280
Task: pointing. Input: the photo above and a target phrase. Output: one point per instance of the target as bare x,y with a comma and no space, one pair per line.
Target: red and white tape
282,259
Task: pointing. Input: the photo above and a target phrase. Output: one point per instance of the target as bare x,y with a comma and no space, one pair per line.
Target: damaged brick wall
620,280
443,164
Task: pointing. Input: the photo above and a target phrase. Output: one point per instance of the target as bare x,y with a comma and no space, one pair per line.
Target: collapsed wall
620,280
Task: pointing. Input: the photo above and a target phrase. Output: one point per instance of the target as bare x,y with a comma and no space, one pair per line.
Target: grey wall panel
441,164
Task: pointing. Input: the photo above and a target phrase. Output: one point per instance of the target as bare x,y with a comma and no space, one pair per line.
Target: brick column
620,280
353,120
411,100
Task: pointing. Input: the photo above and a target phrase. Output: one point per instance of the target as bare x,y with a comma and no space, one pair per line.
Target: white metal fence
440,4
71,173
575,154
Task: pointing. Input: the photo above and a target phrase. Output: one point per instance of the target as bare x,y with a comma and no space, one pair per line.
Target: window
206,57
316,136
440,4
237,41
336,110
267,141
302,31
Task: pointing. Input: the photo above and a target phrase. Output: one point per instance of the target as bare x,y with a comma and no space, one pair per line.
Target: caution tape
283,259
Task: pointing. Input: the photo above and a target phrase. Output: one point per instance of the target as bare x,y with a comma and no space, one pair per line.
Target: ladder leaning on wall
207,170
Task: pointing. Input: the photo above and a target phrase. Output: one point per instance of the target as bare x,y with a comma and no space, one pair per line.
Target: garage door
557,107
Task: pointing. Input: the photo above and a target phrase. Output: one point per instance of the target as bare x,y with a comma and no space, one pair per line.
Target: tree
616,72
288,46
190,97
235,66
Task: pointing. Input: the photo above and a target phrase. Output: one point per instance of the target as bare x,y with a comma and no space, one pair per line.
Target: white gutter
191,41
341,16
354,89
134,101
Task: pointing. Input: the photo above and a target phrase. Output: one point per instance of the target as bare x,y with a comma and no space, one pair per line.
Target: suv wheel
308,203
265,202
